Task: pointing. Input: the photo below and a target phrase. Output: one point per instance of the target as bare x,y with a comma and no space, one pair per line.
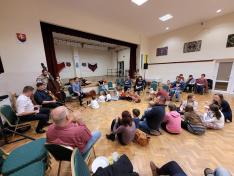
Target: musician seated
44,77
44,98
26,111
76,87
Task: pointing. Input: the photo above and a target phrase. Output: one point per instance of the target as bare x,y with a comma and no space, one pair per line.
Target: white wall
103,58
65,54
124,55
22,60
214,37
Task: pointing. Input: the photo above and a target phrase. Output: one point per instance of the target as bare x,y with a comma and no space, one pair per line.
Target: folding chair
60,153
78,165
110,86
12,120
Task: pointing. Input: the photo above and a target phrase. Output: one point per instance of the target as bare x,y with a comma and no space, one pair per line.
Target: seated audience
201,85
213,118
125,95
114,95
176,89
139,85
136,117
127,83
44,98
181,78
172,120
70,131
102,97
94,103
26,111
172,168
192,121
153,117
124,128
190,101
76,88
224,106
190,83
162,92
102,87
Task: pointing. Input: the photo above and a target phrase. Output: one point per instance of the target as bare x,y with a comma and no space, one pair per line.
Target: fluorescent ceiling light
139,2
219,10
166,17
167,28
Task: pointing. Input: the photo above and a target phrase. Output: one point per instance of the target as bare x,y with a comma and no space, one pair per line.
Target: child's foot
155,132
154,169
208,172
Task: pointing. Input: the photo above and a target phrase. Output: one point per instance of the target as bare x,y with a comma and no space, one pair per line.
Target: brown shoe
154,168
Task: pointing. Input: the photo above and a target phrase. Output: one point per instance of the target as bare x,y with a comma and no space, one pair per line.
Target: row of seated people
200,85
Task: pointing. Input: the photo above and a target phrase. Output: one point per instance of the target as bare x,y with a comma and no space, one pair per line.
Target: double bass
53,86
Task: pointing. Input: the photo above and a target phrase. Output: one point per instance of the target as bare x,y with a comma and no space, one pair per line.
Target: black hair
136,112
39,84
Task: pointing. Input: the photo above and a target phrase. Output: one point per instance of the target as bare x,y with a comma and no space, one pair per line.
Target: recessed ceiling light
219,10
167,28
139,2
166,17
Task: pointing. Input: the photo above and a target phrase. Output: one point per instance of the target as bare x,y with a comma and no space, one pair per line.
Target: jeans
95,136
52,105
42,116
221,172
144,126
171,168
175,92
200,89
189,87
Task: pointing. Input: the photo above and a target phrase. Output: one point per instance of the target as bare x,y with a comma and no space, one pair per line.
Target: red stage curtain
132,66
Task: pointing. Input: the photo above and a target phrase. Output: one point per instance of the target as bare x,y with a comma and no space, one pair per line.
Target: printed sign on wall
230,41
192,46
162,51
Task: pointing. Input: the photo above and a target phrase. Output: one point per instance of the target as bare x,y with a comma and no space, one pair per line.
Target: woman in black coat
218,99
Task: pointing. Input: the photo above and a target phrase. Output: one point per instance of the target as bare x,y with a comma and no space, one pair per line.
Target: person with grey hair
68,130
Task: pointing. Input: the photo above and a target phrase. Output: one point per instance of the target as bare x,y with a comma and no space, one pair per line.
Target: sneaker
41,131
208,172
155,133
110,137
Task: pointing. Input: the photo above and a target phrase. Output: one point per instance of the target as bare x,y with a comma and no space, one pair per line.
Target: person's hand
36,111
76,116
53,101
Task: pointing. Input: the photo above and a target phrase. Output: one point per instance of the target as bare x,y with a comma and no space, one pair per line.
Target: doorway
121,68
224,81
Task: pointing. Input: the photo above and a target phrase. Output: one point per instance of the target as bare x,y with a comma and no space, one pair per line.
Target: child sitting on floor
102,97
135,97
213,118
108,97
136,113
94,103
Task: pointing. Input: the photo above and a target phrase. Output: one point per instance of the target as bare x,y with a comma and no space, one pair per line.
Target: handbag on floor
141,138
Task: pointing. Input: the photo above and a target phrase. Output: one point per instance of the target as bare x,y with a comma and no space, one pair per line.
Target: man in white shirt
26,111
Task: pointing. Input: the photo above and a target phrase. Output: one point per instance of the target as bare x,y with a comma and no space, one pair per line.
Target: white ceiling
144,18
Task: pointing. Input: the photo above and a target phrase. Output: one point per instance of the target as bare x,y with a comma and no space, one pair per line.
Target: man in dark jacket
153,117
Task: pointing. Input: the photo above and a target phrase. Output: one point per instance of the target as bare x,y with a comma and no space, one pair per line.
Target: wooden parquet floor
193,153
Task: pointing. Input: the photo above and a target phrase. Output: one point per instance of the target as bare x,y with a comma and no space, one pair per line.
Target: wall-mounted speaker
146,66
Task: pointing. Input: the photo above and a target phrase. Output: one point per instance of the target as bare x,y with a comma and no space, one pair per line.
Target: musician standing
43,78
76,87
44,97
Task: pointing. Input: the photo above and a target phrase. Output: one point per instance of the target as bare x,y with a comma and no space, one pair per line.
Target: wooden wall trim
181,62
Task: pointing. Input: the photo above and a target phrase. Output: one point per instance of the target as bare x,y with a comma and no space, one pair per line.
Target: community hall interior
116,87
